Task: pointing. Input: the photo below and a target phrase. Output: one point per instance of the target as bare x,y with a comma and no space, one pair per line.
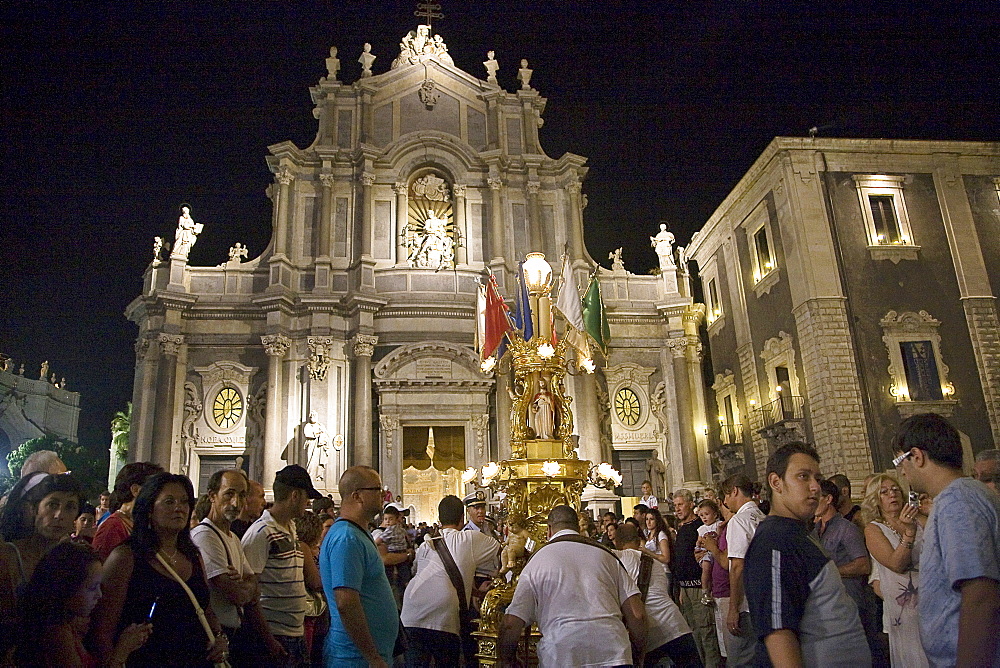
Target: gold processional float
542,472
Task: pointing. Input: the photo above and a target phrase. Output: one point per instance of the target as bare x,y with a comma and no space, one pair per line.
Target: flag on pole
594,319
522,307
568,301
495,319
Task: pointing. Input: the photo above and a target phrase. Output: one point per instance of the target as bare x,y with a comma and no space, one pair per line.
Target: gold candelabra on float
544,470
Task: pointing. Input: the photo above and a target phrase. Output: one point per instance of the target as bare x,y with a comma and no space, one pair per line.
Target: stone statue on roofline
366,61
491,66
186,234
419,46
524,75
332,65
663,244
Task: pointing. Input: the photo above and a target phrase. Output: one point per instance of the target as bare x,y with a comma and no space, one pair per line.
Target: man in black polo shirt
687,574
798,603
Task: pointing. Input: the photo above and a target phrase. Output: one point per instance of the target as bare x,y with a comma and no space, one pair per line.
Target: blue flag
522,307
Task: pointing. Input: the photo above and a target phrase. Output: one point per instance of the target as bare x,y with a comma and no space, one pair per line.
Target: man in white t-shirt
737,495
231,580
586,605
667,634
430,604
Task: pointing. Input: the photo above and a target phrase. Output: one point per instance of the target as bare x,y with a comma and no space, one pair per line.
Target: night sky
113,117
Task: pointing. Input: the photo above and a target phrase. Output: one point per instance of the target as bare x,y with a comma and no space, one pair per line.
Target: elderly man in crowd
667,633
363,617
587,607
799,606
987,468
272,548
445,569
252,509
687,574
960,559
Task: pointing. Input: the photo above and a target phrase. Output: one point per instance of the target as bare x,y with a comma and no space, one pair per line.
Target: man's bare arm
735,594
352,615
978,622
511,629
856,568
783,648
634,613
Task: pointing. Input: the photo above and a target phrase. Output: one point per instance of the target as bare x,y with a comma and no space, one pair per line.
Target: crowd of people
791,572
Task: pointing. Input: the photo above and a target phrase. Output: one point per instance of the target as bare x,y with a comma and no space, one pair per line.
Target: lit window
763,257
714,305
918,373
884,210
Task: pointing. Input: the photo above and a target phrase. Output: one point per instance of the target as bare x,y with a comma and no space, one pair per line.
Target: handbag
197,607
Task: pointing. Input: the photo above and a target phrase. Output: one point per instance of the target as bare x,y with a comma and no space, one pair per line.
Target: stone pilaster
535,234
402,214
163,420
276,346
462,251
685,417
833,393
284,179
575,220
363,347
367,180
984,329
498,233
751,393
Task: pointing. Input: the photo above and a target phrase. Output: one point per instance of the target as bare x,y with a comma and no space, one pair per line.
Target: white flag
568,302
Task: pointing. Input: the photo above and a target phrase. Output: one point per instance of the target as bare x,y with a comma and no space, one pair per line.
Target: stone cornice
484,384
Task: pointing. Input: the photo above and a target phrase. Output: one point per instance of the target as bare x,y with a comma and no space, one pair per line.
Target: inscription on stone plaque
433,368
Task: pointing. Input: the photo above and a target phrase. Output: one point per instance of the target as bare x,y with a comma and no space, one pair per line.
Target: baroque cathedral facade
351,338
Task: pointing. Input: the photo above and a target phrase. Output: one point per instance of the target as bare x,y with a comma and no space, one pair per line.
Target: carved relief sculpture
319,356
429,237
256,409
418,46
189,430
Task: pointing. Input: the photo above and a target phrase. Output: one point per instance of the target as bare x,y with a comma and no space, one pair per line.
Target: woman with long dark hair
54,611
138,584
40,512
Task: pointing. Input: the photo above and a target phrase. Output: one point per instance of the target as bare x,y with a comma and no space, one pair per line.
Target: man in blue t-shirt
364,620
960,559
798,603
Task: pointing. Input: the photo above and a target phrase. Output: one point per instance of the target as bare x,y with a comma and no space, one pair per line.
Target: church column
588,418
367,181
143,402
497,224
462,252
575,220
284,179
693,317
361,372
685,417
276,345
402,215
163,421
535,218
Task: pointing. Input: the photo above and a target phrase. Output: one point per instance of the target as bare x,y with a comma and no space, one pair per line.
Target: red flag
496,319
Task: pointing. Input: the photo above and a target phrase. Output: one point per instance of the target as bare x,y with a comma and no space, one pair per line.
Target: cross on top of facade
428,11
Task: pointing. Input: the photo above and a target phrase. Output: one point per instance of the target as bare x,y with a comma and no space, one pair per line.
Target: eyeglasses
899,460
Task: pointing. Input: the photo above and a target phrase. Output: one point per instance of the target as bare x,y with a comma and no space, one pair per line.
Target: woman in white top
893,535
658,539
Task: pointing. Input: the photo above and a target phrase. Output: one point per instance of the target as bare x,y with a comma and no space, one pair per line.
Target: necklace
171,557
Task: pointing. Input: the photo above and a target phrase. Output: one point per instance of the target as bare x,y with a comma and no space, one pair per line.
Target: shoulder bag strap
645,571
576,538
455,575
229,557
194,600
20,564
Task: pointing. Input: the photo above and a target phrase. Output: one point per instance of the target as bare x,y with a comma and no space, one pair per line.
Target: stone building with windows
850,283
350,339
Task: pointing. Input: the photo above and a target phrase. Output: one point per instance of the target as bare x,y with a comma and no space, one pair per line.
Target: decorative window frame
715,314
725,386
996,184
881,184
763,277
909,326
779,351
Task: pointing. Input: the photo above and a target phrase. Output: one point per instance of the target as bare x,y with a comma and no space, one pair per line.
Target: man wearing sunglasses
960,561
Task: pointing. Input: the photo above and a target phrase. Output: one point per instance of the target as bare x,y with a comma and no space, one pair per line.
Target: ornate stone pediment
429,362
418,46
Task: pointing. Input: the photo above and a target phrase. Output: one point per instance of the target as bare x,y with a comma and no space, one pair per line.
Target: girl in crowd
138,587
309,529
894,535
39,513
658,539
708,513
55,611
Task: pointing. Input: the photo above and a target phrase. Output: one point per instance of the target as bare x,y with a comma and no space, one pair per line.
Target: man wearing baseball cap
272,548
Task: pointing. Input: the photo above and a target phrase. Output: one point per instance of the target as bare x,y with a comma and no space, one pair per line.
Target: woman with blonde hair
893,535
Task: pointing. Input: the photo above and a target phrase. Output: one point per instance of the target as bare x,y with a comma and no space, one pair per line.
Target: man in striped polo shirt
272,548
